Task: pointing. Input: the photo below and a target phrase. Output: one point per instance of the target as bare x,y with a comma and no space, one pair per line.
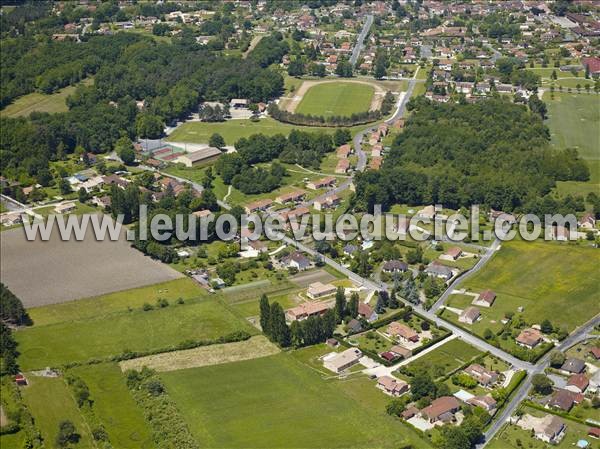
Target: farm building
198,157
343,360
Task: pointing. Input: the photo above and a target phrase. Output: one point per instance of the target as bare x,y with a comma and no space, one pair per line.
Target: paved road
495,53
360,40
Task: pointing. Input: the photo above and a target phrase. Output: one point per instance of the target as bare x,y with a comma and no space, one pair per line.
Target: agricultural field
135,330
540,277
38,102
573,121
125,423
510,436
338,98
89,267
296,403
50,402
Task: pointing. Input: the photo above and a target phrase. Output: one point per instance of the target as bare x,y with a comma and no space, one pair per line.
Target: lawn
278,402
50,401
137,330
37,102
445,359
233,130
509,435
338,98
98,306
579,187
114,406
543,277
574,121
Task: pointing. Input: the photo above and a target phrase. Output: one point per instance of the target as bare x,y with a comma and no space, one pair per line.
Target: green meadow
337,98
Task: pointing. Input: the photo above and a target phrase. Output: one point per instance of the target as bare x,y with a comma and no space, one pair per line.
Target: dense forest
171,78
493,153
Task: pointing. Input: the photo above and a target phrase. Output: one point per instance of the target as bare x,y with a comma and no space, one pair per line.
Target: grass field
544,278
50,401
342,99
138,330
574,121
580,187
233,130
114,406
37,102
279,402
446,358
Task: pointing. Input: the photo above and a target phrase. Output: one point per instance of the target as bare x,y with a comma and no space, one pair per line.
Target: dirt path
253,43
292,103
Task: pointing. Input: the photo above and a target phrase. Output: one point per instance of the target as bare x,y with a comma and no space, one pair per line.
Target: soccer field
339,98
279,402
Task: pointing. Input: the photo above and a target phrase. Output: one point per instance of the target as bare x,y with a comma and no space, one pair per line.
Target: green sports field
574,121
339,98
114,406
543,277
279,402
135,330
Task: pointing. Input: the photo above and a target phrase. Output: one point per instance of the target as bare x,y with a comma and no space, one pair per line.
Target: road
495,53
360,40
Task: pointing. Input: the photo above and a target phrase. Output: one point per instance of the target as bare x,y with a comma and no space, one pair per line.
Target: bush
146,307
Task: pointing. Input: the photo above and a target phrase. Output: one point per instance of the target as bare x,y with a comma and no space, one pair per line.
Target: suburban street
360,40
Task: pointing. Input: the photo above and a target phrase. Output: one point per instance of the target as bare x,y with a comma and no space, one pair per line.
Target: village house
116,180
375,163
482,375
594,432
573,366
394,266
343,360
366,312
307,309
469,315
400,351
329,202
258,206
529,338
342,166
587,221
392,386
321,183
291,197
428,212
452,254
564,399
441,409
577,383
344,151
402,332
549,429
595,353
296,260
354,326
319,290
239,103
102,201
438,270
65,208
11,218
486,402
485,299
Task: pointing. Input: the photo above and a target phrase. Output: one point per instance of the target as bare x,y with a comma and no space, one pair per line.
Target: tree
279,331
64,186
11,308
353,305
557,359
83,195
380,69
67,434
296,68
265,311
546,326
124,149
344,69
422,385
317,70
149,126
217,141
341,136
340,304
541,384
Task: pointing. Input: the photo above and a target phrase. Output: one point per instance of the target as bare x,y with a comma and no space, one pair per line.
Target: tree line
356,118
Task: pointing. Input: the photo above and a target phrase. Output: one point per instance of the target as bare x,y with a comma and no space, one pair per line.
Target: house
577,383
470,315
409,412
427,212
343,360
319,290
65,208
394,266
595,353
349,249
441,409
587,221
486,402
296,260
197,157
344,151
103,201
320,183
202,213
291,197
354,326
403,332
329,202
20,380
440,271
116,180
11,218
564,399
258,206
392,386
496,214
375,163
307,309
401,351
529,338
551,429
594,432
342,166
573,366
388,355
482,375
366,311
332,343
485,299
595,382
239,103
452,254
